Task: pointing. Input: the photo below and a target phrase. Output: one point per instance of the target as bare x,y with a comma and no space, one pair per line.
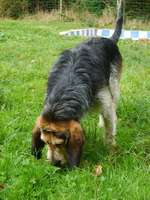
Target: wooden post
60,8
124,12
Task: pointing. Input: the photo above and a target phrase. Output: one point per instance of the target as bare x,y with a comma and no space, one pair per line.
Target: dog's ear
75,144
37,143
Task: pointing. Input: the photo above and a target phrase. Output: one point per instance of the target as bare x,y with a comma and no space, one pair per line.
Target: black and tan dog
89,71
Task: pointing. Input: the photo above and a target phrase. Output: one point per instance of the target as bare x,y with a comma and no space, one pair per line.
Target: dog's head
64,139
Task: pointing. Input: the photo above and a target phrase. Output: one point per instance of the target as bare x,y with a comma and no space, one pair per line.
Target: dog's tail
119,22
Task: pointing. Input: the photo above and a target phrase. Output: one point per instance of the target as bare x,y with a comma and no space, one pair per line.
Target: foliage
16,8
44,5
138,9
94,6
12,8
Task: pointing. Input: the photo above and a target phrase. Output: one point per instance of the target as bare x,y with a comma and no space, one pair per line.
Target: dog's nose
57,163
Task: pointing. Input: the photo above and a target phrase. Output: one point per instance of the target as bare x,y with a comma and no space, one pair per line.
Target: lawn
28,48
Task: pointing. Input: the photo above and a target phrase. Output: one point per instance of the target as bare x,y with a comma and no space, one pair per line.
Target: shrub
93,6
13,8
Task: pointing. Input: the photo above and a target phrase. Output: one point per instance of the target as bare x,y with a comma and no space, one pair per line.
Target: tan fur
56,146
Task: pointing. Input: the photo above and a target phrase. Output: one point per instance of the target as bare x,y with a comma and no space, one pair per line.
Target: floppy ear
75,144
37,143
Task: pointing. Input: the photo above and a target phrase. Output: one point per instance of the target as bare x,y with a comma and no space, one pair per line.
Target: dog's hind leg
109,115
114,84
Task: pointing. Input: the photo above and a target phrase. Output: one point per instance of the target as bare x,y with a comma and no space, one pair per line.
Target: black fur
77,76
79,73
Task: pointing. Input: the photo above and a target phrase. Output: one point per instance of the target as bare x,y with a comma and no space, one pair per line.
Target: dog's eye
61,135
58,145
47,131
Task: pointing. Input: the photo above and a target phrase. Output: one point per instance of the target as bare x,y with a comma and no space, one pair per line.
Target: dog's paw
110,142
112,146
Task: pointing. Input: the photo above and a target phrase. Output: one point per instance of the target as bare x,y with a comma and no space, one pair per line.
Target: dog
82,74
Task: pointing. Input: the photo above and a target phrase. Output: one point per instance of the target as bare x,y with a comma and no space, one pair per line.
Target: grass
28,49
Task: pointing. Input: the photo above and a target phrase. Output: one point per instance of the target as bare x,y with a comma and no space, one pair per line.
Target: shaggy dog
80,75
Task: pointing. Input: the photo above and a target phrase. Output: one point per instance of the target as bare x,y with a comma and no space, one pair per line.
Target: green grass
27,50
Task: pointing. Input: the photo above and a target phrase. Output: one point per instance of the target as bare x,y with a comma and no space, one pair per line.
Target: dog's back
80,72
